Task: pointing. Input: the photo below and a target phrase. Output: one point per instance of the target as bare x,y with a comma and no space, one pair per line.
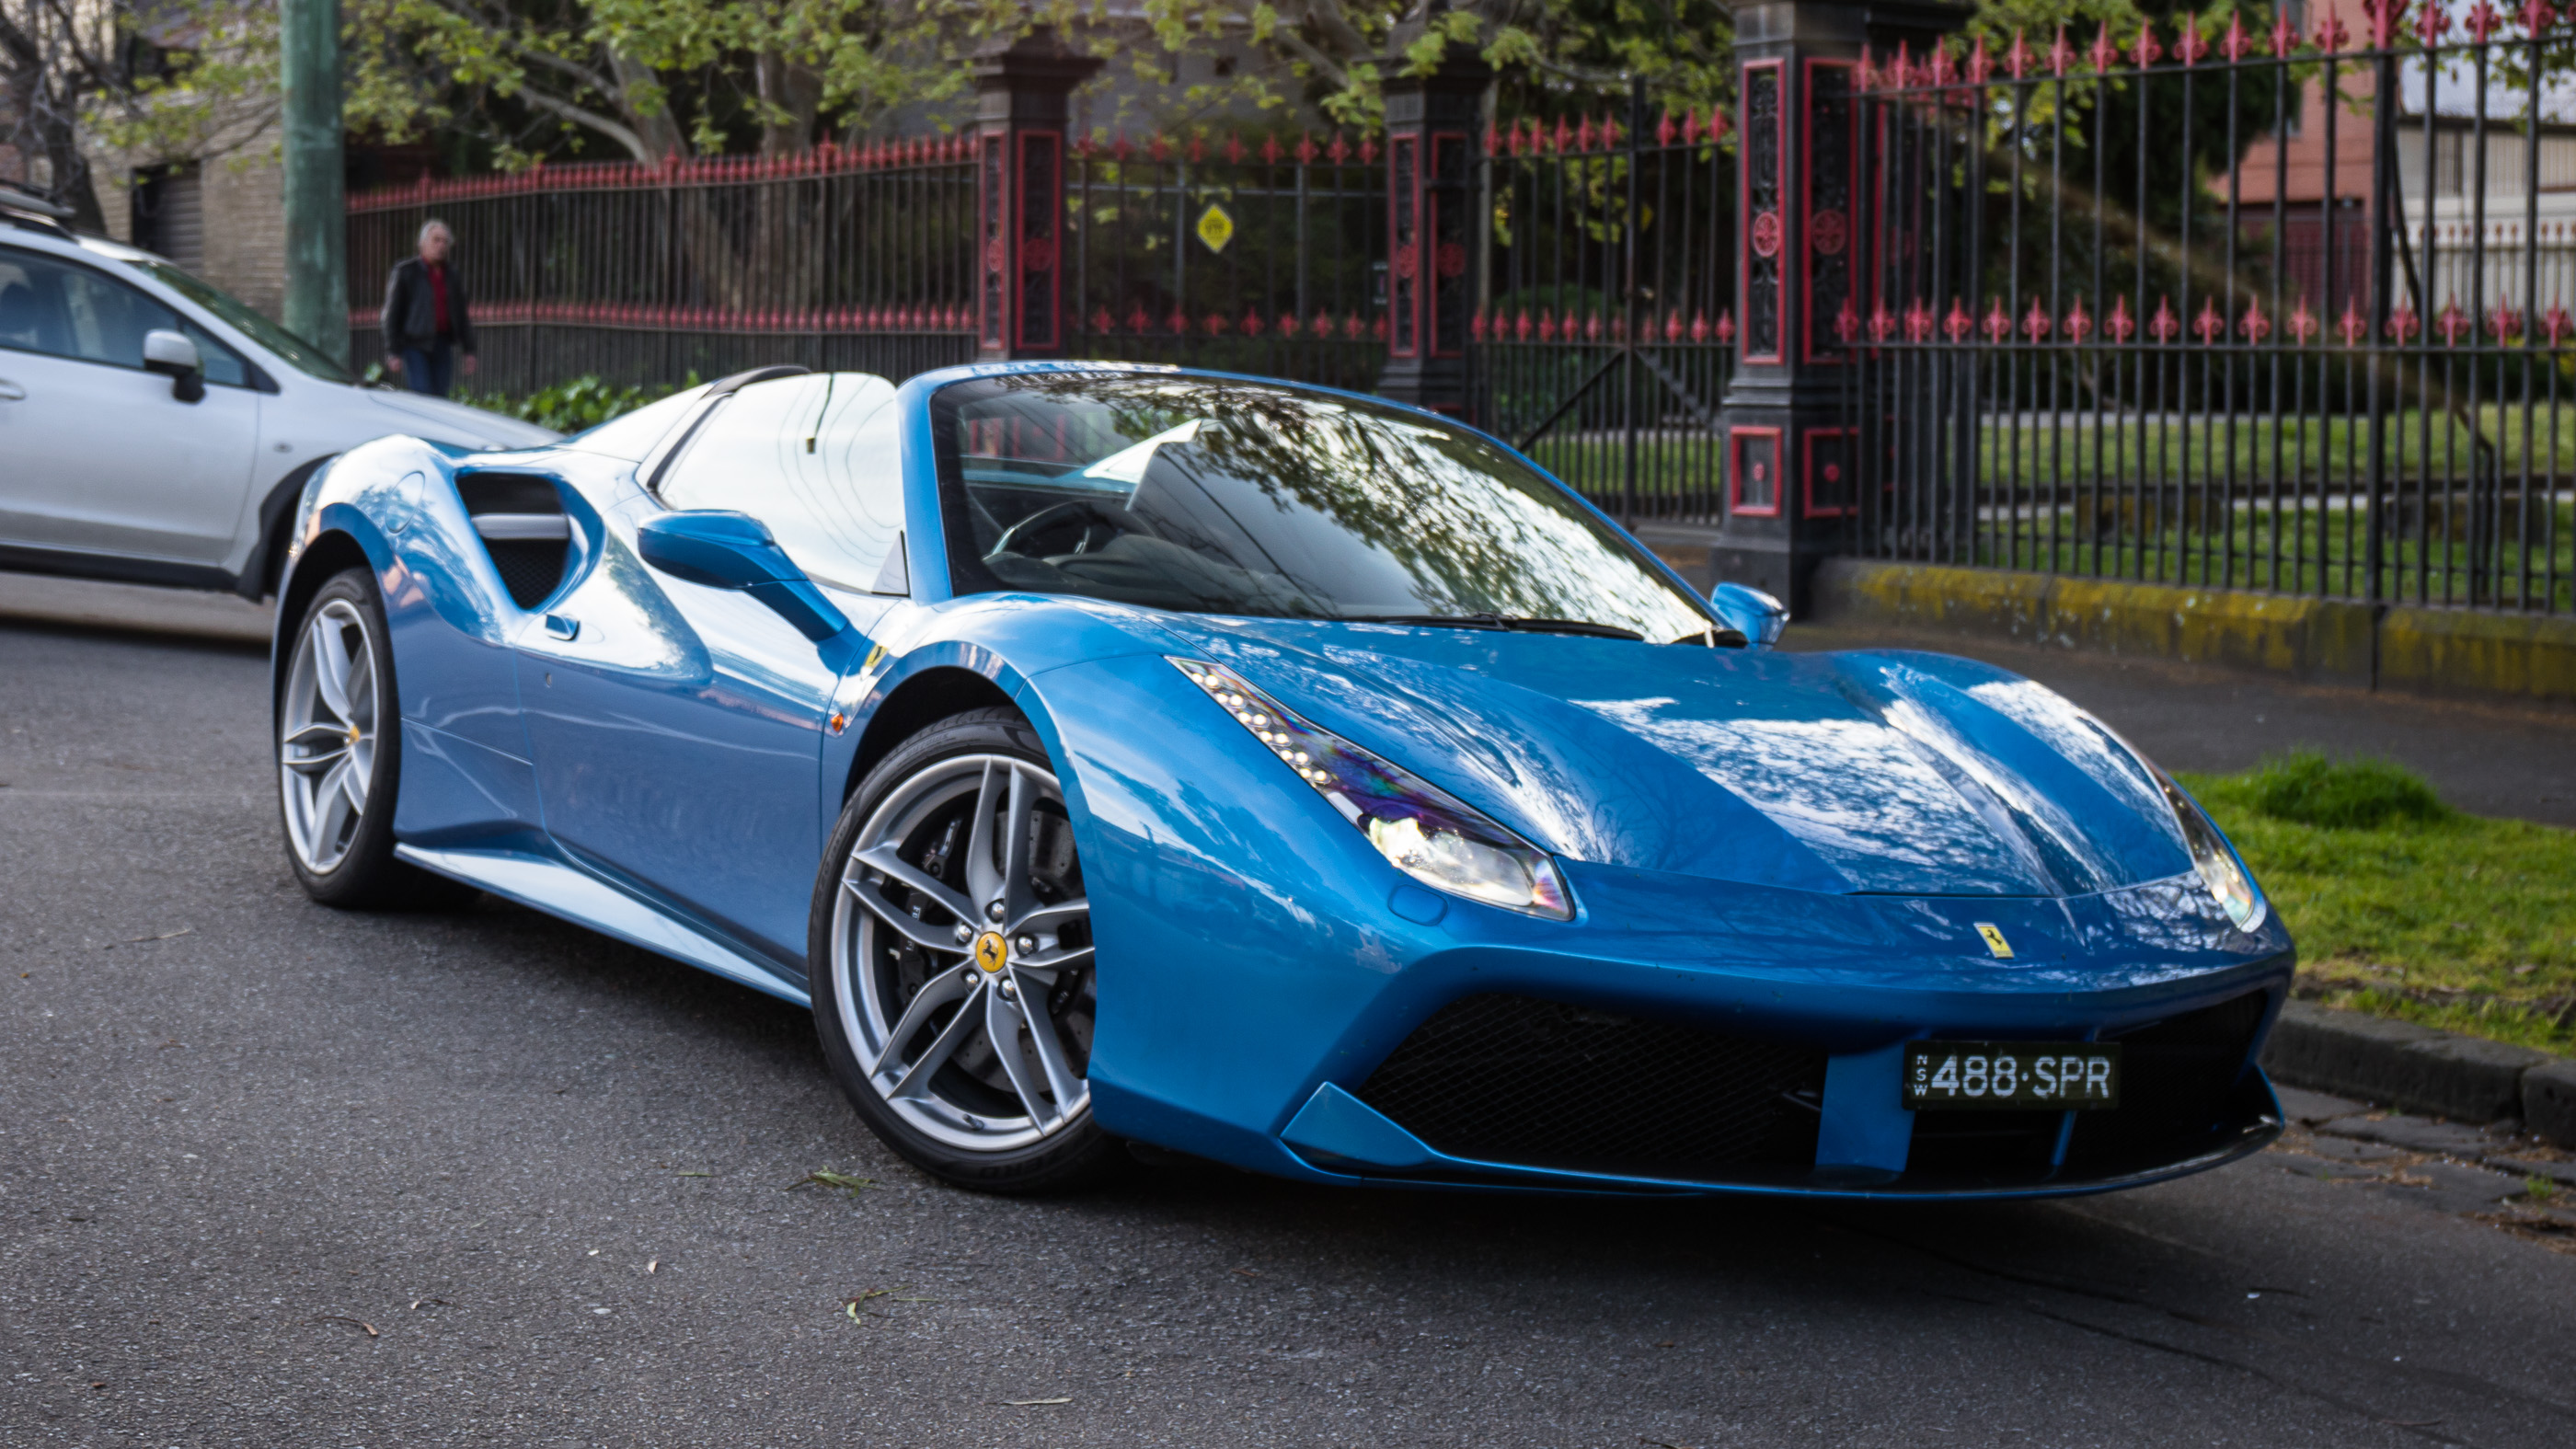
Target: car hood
456,423
1878,772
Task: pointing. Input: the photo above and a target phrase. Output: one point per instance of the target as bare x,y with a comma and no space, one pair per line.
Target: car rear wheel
952,961
339,756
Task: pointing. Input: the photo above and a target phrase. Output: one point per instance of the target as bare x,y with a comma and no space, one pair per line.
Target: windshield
1236,497
291,349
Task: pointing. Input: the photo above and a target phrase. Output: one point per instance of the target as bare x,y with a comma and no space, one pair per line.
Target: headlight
1421,829
2220,870
2226,876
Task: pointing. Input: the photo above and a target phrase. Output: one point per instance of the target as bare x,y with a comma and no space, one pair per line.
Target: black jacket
411,308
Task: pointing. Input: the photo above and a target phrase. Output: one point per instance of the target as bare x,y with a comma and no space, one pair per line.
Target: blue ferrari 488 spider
1115,755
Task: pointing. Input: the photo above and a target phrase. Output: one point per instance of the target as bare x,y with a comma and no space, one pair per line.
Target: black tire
1072,1155
359,871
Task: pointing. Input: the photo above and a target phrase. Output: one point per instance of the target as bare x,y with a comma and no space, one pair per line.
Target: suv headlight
1420,828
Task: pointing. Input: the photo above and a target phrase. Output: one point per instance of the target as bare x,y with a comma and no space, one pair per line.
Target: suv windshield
291,349
1225,496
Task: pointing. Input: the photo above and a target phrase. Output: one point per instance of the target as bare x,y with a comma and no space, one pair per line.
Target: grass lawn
2410,910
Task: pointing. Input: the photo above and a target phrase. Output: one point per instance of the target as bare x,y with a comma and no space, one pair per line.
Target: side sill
583,899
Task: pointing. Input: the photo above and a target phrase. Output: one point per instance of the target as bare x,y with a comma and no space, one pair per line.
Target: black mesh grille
530,567
2177,1083
1511,1079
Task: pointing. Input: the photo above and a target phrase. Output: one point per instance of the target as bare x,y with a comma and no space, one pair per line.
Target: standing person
424,322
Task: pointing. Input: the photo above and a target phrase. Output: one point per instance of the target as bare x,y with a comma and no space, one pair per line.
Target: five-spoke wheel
326,729
958,986
339,755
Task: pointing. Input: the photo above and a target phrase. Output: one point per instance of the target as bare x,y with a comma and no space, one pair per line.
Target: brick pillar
1787,457
1021,106
1432,122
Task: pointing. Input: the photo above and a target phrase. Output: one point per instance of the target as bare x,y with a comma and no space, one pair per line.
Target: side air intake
520,518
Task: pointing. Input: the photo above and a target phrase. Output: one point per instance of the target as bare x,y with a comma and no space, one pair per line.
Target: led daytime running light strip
1421,829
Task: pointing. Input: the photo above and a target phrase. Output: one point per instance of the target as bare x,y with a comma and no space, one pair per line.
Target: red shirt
438,299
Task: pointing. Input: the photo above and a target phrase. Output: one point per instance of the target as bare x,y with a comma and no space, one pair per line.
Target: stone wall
243,201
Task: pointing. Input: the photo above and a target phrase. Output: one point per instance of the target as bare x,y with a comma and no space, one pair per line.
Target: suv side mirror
726,550
175,357
1755,614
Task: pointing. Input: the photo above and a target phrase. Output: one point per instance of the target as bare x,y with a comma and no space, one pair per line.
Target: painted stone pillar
1789,437
1432,122
1022,90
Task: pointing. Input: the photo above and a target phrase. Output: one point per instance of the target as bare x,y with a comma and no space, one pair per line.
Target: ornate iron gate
1607,335
1262,253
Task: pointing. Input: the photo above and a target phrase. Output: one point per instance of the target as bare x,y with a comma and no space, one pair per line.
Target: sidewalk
136,607
2484,759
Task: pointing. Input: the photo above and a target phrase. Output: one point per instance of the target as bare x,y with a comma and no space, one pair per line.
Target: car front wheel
954,984
339,756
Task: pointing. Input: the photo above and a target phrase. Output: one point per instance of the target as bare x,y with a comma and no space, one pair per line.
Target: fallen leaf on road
1032,1403
826,1177
164,936
344,1318
1249,1272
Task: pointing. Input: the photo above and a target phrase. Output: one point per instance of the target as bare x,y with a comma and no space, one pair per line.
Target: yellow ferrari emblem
1215,227
1995,941
990,954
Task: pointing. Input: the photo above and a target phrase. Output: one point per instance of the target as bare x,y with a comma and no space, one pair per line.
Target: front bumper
1705,1054
1512,1091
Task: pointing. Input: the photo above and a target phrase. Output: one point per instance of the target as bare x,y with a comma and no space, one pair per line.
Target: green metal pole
317,265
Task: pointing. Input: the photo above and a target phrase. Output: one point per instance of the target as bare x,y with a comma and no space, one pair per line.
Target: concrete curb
2419,1069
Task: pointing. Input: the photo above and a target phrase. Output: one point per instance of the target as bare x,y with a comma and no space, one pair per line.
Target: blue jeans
428,369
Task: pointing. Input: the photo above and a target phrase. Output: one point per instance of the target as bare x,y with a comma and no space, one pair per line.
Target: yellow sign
1995,941
990,953
1215,227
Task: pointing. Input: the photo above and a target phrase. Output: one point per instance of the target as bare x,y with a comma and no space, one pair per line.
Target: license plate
2013,1075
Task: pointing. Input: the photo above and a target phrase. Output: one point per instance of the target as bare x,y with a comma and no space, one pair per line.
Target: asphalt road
276,1175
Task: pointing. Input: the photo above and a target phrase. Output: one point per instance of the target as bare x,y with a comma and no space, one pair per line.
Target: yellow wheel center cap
990,953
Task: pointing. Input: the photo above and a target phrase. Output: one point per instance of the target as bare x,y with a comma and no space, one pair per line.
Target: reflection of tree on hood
1472,528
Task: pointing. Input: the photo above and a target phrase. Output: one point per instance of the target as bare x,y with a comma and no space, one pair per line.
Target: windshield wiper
1509,622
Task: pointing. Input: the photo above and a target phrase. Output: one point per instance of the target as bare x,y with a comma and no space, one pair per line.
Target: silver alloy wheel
326,745
961,950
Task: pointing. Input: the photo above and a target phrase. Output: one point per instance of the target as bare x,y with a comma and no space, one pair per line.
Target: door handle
11,392
561,627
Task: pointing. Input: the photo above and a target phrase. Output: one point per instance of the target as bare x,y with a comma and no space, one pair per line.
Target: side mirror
1755,614
725,550
175,357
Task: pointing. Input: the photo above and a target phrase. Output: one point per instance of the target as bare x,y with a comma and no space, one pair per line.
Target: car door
677,728
104,458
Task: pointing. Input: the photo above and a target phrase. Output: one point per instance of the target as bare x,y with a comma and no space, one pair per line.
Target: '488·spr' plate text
2022,1075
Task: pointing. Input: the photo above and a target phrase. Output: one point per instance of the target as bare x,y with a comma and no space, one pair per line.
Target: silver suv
153,429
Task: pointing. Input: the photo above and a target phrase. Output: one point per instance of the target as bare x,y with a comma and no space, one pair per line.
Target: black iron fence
858,258
2066,373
